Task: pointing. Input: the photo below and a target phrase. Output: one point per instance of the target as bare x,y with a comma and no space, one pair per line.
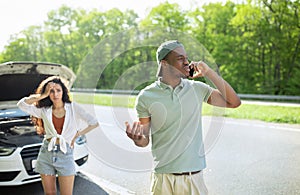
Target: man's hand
224,95
136,133
201,69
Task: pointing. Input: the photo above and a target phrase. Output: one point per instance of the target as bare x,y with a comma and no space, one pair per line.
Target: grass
277,114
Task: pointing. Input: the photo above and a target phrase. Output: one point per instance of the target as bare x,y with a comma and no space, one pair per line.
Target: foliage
253,45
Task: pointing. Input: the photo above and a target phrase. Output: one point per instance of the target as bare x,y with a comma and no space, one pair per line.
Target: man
171,108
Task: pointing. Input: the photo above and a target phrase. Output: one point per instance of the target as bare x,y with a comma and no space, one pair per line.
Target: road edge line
108,186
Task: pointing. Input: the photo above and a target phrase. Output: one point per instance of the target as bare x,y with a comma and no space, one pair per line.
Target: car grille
29,154
8,176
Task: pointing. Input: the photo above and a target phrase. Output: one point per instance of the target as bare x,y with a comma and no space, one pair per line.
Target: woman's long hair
46,102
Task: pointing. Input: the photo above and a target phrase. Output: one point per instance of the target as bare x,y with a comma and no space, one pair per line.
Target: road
243,157
82,185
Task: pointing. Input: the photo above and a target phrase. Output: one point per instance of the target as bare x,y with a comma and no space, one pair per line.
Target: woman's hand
83,132
48,89
74,139
37,97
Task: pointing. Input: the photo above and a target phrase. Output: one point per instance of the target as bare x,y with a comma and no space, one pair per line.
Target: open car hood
19,79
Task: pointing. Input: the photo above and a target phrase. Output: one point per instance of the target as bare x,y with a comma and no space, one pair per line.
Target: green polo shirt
176,124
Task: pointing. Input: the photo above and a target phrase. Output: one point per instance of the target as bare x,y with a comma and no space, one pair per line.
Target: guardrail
135,92
269,97
106,91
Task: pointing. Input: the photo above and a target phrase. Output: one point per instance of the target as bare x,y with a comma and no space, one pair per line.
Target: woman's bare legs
66,184
49,184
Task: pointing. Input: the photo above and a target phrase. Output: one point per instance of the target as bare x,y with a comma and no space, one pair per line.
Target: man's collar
163,85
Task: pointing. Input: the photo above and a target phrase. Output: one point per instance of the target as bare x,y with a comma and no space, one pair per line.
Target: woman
60,116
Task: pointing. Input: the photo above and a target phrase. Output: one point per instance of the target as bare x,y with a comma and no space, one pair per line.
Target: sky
17,15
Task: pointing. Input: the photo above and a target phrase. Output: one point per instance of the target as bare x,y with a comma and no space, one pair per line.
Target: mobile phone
192,70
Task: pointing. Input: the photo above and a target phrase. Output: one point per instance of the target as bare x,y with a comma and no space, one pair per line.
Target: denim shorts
55,162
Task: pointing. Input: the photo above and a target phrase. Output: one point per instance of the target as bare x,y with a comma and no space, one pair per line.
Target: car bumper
17,169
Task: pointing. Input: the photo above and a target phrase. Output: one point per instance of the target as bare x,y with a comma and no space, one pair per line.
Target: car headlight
6,151
81,139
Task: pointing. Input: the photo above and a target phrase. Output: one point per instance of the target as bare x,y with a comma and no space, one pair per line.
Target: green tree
254,45
61,44
269,42
17,50
211,27
104,63
26,46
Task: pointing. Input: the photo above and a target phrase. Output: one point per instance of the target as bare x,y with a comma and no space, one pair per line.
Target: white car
19,142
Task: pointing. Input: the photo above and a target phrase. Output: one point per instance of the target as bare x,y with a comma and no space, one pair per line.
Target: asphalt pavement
243,156
83,186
